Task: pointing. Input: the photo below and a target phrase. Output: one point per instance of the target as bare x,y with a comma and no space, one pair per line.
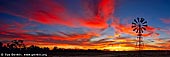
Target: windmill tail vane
139,26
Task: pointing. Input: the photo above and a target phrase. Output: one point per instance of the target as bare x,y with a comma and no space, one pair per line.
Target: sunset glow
80,24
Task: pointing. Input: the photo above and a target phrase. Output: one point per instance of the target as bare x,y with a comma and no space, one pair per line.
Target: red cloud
98,14
51,12
167,21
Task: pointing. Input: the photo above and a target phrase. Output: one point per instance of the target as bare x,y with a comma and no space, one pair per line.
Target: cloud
166,21
9,35
95,15
45,12
41,37
51,12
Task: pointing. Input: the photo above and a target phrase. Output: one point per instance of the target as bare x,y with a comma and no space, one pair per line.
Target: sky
85,24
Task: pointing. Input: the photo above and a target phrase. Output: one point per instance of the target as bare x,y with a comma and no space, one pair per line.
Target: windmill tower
139,25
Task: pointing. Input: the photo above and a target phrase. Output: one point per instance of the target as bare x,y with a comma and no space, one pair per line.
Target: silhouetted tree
46,48
1,44
11,45
16,44
55,48
1,47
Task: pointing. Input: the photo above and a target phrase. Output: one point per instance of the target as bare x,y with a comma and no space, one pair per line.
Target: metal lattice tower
139,25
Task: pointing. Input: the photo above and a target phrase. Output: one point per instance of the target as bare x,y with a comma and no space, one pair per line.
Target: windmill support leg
140,46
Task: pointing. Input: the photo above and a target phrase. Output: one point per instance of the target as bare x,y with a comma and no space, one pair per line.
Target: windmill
139,25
